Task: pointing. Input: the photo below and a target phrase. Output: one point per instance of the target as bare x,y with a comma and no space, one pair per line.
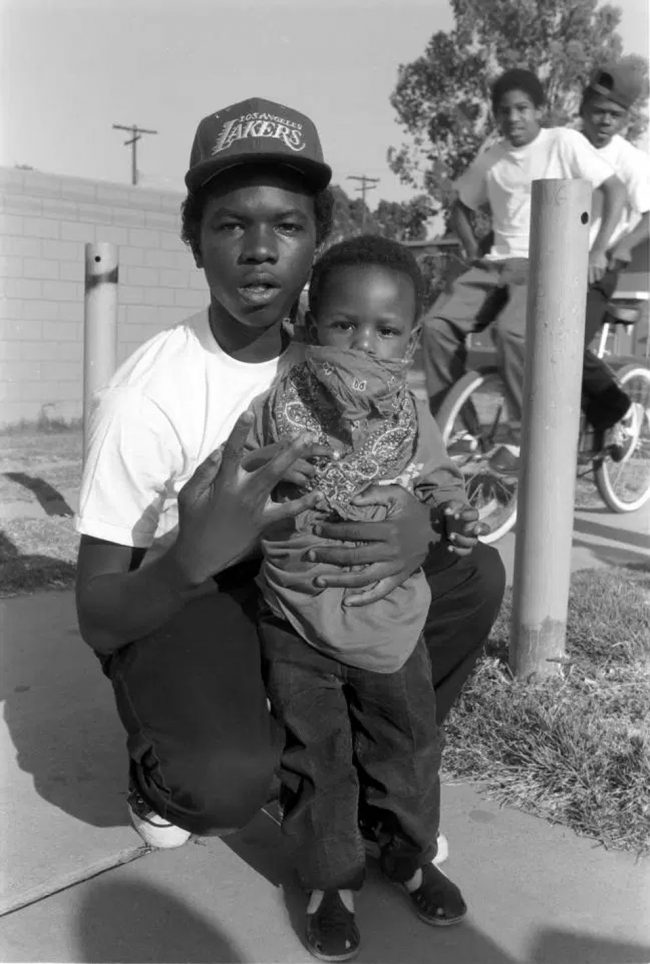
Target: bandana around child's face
360,385
360,405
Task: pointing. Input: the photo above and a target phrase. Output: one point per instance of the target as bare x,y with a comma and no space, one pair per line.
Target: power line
367,184
137,132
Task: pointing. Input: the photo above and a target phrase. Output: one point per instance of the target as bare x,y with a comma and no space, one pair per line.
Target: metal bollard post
100,324
555,322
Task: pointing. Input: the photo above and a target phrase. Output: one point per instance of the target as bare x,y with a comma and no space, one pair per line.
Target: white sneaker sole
158,833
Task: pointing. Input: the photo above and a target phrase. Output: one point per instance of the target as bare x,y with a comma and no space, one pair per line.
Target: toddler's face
370,308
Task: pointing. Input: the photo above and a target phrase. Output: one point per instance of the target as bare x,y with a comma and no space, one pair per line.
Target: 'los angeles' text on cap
256,131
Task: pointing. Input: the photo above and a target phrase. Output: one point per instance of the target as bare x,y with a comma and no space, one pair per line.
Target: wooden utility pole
555,326
137,133
367,184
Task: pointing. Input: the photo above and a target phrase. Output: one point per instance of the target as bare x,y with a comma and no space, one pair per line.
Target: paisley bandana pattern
357,404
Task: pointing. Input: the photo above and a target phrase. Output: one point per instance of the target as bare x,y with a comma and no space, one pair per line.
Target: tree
442,99
402,221
406,220
350,217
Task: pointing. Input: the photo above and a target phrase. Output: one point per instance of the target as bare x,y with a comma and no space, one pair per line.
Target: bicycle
474,423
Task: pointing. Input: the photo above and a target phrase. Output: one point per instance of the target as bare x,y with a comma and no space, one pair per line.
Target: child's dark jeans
354,739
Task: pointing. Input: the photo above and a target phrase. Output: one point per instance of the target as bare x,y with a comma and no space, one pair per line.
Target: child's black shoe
332,934
437,900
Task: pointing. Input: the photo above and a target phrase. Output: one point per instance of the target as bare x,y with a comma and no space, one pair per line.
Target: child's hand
299,472
462,527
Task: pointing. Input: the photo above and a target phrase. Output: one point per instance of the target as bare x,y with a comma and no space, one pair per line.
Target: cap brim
616,98
317,175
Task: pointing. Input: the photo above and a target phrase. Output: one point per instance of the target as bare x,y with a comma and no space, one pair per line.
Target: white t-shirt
502,177
171,404
632,167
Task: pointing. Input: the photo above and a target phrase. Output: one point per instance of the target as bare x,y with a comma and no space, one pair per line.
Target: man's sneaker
332,934
620,439
464,443
371,845
154,830
505,460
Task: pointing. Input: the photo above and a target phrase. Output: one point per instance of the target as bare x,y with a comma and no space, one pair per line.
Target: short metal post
559,245
100,324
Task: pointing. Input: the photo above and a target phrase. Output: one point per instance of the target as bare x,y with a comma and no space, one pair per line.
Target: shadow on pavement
561,947
49,498
615,555
626,536
389,930
59,712
135,921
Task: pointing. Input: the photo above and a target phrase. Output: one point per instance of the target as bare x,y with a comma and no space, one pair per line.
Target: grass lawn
37,552
574,750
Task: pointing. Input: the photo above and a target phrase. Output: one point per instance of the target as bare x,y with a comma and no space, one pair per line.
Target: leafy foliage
401,221
442,98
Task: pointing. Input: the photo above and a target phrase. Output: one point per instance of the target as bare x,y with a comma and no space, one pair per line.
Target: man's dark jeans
354,740
191,697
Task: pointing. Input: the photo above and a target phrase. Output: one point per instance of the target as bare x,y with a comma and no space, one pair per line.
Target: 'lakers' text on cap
621,83
256,131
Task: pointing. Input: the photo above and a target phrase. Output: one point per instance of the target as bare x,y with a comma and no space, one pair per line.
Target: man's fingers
234,448
298,478
259,457
382,495
316,449
276,469
202,477
374,495
355,580
354,555
374,593
276,511
354,532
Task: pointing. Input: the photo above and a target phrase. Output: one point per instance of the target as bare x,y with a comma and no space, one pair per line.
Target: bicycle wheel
473,420
625,486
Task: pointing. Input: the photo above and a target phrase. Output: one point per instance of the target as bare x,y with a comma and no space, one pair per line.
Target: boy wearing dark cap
604,111
158,517
495,288
171,515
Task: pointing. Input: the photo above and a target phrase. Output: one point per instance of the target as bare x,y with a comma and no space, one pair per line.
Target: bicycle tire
625,486
493,496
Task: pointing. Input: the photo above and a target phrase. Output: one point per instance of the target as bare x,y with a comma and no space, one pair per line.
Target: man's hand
389,552
620,255
224,508
597,264
300,472
462,527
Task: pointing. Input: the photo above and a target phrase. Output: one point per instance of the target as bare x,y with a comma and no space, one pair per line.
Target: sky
70,69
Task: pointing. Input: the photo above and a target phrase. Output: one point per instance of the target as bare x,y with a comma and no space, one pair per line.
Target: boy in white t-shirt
604,112
494,290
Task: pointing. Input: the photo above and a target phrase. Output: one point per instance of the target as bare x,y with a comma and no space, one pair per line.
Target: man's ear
311,328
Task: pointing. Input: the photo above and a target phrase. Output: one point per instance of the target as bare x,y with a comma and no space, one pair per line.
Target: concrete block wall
45,221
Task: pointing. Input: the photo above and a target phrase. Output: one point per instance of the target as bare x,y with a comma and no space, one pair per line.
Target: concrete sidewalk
78,886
